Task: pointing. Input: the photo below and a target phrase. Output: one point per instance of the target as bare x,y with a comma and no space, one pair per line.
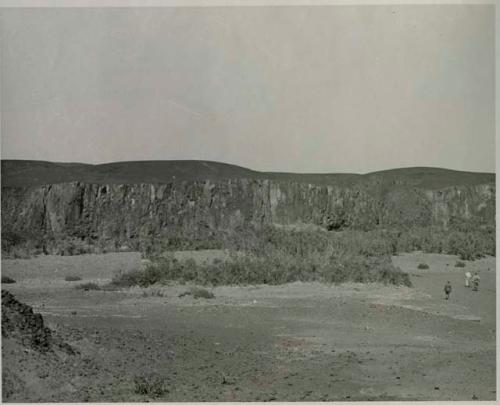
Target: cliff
128,204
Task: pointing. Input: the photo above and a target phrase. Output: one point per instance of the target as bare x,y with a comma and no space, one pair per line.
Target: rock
21,323
70,216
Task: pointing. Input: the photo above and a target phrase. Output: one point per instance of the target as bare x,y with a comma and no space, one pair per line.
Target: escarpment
105,212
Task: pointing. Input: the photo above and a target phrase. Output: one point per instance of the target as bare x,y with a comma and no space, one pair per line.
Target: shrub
151,246
72,247
423,266
128,279
337,219
468,245
13,238
88,286
72,278
21,245
349,267
270,255
157,293
160,270
197,292
459,264
153,293
272,267
471,245
152,386
7,280
19,252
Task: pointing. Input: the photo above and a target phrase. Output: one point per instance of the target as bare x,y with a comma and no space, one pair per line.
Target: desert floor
300,341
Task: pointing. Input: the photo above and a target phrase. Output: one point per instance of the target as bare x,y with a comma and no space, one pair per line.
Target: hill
30,173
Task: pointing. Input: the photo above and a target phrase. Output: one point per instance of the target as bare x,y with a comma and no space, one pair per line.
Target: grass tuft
423,266
151,386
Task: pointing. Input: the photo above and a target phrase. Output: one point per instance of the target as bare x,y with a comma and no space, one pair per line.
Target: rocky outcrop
20,323
126,214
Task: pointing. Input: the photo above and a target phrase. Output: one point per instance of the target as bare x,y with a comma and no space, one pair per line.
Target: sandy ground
300,341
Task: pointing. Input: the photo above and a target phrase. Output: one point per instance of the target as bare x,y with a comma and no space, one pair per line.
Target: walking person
447,290
468,276
475,282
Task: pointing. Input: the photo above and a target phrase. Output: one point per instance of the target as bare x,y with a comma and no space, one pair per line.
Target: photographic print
248,203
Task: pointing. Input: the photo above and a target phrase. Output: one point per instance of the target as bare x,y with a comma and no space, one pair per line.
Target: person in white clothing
468,276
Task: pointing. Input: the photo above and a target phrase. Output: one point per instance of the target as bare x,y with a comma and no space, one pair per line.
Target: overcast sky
303,89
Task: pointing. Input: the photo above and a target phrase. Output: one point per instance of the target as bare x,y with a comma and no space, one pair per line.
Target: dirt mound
19,322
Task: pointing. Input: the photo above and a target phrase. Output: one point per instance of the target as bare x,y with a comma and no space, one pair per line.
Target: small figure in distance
468,276
475,282
447,289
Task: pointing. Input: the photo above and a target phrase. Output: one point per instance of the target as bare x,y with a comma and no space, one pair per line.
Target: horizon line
244,167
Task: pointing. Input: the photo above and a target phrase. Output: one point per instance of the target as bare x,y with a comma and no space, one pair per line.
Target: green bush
459,264
423,266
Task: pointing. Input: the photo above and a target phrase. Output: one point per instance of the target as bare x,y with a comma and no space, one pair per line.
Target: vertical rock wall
125,213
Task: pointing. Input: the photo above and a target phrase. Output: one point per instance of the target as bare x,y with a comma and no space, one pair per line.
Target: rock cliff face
125,214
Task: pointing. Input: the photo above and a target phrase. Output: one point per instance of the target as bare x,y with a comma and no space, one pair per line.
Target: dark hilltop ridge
133,205
30,173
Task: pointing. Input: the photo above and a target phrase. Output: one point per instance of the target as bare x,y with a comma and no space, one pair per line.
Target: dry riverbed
300,341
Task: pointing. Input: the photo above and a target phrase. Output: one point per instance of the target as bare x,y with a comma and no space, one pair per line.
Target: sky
295,89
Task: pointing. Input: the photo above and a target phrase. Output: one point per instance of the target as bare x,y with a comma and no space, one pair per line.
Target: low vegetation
278,269
88,286
154,293
176,243
467,239
140,278
272,256
197,292
459,264
467,244
151,386
7,280
72,278
16,245
423,266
